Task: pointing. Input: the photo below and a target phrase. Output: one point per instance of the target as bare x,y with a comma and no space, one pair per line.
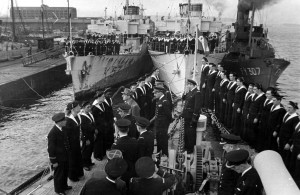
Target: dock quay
19,82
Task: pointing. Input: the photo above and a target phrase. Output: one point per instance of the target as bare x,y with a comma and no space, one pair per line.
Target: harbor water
23,129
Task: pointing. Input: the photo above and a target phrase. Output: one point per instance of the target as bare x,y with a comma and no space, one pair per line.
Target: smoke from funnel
219,5
258,4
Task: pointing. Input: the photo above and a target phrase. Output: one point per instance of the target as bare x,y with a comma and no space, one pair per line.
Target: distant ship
173,48
250,54
113,53
245,52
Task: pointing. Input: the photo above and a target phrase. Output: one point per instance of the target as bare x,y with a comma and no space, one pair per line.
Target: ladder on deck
43,55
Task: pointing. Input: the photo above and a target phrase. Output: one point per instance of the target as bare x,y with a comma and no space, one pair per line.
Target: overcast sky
286,11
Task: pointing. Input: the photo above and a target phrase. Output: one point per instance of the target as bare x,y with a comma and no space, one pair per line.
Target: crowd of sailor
182,44
91,128
97,44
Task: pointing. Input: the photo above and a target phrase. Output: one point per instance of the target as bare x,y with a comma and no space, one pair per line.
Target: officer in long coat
58,149
148,182
249,182
191,114
162,119
146,138
109,120
128,146
284,140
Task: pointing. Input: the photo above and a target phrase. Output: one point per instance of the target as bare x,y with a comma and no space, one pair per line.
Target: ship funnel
242,25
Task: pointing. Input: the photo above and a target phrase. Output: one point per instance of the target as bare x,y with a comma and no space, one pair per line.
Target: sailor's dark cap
123,123
85,103
277,96
114,154
159,81
116,167
141,121
141,79
124,106
212,64
145,167
72,105
98,94
192,81
205,59
237,157
161,89
294,104
230,138
107,90
58,117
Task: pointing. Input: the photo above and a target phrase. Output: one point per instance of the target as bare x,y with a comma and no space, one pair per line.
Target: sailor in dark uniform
216,90
211,79
284,140
228,177
254,115
111,184
99,116
150,181
191,114
295,156
58,149
203,79
124,112
140,94
149,98
128,146
223,94
237,105
245,111
263,120
146,138
249,182
88,127
154,76
229,99
162,119
109,120
274,122
73,121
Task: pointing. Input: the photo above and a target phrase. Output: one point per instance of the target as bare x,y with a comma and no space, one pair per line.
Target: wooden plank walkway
44,187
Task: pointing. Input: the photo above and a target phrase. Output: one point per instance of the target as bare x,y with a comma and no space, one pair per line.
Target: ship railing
43,55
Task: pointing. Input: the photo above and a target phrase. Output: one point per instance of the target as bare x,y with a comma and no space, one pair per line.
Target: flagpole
195,54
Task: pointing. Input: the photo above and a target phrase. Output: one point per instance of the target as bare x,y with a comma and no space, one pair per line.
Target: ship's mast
251,27
195,53
127,4
13,21
42,10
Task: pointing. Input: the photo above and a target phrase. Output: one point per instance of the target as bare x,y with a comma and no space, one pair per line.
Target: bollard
201,127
